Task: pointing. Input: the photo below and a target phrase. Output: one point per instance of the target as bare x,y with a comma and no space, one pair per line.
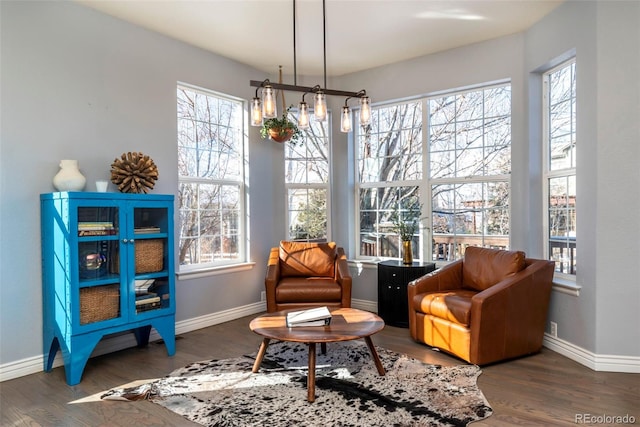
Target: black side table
393,278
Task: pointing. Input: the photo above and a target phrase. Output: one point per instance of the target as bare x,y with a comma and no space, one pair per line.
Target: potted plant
406,222
281,129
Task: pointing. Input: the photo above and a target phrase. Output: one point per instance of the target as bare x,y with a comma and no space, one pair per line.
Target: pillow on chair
483,268
307,259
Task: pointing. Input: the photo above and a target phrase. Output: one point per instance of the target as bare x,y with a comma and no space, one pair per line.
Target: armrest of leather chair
343,277
271,278
512,311
447,277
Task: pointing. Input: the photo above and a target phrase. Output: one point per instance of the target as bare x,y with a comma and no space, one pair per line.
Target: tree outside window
466,159
211,178
307,183
560,166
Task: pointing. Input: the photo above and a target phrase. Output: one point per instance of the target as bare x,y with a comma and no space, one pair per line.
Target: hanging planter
281,129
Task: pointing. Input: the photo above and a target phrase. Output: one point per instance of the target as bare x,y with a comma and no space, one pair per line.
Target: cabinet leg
142,335
51,355
166,327
77,356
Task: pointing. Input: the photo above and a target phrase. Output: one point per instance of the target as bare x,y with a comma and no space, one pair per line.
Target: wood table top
346,324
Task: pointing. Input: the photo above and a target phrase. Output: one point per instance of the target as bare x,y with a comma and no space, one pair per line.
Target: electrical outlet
263,296
553,329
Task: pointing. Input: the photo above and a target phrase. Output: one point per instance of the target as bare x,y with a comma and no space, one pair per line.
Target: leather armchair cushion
308,290
483,268
299,259
454,305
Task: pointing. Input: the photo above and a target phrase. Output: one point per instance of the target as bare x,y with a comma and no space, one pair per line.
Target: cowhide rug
349,391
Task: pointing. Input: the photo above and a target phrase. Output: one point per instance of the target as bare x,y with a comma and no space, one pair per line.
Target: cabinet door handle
125,241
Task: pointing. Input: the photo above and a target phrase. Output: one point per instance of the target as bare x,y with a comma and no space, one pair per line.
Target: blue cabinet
107,267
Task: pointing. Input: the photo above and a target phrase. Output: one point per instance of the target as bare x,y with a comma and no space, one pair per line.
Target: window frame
425,183
240,183
306,186
548,173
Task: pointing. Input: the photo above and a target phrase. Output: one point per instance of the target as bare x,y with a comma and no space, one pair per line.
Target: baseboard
32,365
124,340
597,362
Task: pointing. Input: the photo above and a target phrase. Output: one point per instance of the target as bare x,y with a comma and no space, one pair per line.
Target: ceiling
360,34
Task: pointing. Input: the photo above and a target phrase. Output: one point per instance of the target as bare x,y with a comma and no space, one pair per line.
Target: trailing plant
282,125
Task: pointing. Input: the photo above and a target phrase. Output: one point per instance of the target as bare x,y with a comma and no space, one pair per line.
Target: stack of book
145,298
312,317
146,230
98,228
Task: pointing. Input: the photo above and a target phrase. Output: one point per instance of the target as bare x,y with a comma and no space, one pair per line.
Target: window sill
214,271
566,286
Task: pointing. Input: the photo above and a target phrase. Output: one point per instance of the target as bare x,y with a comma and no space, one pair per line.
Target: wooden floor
541,390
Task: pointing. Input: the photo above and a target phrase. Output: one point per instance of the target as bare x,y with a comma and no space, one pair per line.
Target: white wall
82,85
79,84
605,36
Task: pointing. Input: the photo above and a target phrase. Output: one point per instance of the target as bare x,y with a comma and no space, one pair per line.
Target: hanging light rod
266,107
314,89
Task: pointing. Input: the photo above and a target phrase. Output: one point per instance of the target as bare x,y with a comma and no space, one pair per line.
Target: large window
560,166
469,167
211,178
307,183
460,172
390,170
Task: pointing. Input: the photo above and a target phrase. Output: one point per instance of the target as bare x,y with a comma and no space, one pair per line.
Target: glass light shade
256,112
345,119
269,109
320,107
303,116
365,110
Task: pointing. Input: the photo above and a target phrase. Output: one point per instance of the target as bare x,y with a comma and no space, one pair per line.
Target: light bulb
269,109
365,110
320,107
303,117
256,112
345,121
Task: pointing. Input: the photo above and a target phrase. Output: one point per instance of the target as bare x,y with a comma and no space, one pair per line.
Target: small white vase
69,177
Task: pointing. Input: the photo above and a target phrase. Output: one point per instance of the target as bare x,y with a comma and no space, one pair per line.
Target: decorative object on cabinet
107,267
406,222
134,173
393,278
69,177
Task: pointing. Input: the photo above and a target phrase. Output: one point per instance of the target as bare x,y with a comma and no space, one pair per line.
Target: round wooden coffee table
346,324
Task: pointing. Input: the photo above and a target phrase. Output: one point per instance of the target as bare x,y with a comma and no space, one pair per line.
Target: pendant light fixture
268,101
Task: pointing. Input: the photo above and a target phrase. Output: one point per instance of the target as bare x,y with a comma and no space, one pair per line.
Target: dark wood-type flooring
546,389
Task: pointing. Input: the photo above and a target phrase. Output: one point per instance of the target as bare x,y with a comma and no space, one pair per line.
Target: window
307,183
469,170
390,170
560,166
211,178
460,173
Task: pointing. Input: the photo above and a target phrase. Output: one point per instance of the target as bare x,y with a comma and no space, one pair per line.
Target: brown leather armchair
302,275
490,306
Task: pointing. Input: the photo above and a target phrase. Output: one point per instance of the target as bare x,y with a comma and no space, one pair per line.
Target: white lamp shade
303,116
320,107
269,109
345,119
256,112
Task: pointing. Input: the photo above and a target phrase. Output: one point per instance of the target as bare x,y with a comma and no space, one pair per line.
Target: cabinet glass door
99,280
150,229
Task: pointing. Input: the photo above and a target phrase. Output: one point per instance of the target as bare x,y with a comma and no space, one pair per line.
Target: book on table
319,316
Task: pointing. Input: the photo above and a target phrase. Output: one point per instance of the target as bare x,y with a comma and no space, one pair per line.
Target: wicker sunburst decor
134,173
